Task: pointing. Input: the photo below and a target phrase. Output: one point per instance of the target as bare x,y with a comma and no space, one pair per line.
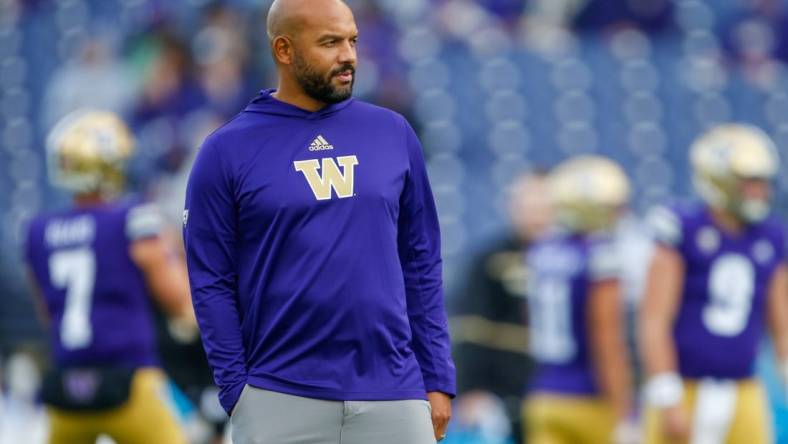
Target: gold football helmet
87,152
725,156
588,193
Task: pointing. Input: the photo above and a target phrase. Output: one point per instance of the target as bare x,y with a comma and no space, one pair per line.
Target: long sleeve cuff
447,386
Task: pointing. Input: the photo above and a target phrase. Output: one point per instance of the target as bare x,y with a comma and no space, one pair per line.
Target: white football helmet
87,152
588,193
725,156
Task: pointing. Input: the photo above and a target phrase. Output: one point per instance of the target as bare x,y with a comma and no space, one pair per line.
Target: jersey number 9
731,288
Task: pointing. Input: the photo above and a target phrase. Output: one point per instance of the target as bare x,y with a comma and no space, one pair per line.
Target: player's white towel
714,410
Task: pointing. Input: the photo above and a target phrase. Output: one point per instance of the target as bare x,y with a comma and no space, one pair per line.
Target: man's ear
282,49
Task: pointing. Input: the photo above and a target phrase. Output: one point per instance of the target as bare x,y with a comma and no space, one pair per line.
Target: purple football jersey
95,295
562,269
721,317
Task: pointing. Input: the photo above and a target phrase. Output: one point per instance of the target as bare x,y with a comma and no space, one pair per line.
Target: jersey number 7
75,270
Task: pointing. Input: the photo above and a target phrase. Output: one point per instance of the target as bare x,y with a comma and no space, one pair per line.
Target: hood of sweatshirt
267,104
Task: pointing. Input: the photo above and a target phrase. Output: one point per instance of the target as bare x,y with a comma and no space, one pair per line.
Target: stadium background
492,86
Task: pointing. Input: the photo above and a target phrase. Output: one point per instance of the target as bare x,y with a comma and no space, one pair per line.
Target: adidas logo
320,144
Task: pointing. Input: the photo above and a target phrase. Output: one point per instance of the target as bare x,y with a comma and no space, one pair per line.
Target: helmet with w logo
726,156
588,193
87,152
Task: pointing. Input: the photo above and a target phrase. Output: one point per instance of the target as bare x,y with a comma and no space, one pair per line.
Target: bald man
314,254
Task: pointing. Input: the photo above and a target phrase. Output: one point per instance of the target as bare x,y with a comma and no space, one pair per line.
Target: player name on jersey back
72,231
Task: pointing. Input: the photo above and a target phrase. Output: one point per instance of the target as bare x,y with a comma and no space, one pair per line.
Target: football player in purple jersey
95,268
580,391
717,278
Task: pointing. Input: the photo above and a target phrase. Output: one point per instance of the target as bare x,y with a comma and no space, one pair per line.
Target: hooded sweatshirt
313,249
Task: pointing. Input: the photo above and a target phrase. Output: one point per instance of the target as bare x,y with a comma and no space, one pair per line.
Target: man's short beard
319,87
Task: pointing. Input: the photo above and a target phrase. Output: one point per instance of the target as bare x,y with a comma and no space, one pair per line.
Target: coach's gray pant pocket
240,399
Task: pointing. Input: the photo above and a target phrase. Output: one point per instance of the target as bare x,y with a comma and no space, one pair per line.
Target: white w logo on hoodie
341,182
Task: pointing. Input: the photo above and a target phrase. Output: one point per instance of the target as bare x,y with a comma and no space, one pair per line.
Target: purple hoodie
313,249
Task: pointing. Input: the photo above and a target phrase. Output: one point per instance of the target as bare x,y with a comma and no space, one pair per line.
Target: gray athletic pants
266,417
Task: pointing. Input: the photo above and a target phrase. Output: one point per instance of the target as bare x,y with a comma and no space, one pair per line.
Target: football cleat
588,193
87,151
725,156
